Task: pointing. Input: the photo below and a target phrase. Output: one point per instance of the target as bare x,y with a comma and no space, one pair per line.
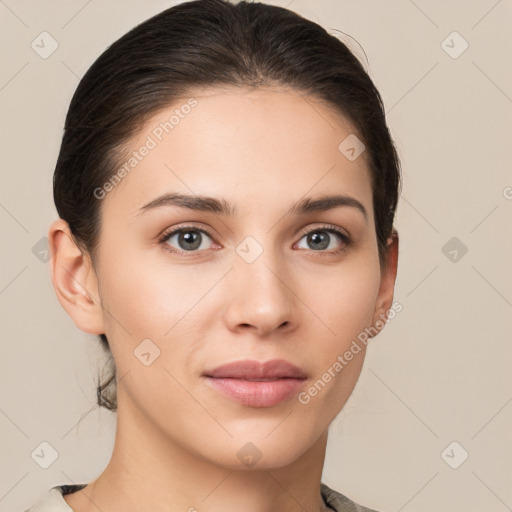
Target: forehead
246,146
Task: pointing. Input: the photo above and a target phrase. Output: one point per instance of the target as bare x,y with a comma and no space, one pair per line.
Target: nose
260,297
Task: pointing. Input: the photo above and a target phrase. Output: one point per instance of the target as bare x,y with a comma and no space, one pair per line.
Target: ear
74,279
387,285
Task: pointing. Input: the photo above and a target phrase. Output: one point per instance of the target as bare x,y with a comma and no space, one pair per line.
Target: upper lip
251,369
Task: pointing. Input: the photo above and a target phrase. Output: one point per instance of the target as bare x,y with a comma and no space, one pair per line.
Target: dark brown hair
205,43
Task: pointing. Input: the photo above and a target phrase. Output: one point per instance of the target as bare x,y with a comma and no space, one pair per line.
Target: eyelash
327,228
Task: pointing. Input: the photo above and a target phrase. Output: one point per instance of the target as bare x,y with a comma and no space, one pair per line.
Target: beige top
54,502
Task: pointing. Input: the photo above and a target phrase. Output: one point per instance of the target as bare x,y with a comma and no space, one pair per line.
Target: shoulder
340,503
53,501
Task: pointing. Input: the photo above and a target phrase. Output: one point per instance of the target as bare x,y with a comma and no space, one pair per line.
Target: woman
226,188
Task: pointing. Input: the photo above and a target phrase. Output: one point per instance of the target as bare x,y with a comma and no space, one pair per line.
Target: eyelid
326,227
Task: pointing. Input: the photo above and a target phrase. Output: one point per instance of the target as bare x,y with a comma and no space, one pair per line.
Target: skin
177,439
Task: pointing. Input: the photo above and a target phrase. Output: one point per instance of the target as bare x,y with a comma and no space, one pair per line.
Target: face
186,290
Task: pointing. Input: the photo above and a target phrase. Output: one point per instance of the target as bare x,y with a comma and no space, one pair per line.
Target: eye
320,238
188,238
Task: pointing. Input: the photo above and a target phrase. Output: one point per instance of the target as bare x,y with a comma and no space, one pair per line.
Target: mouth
256,371
255,384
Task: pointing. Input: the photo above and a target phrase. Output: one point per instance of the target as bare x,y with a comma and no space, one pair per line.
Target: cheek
345,304
156,301
148,296
342,299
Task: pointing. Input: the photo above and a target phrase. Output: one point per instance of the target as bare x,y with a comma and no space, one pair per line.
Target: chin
248,453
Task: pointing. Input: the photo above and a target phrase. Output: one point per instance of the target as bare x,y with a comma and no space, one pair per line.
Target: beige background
440,371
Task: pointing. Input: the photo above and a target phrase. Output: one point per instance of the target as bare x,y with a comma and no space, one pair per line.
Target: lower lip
257,393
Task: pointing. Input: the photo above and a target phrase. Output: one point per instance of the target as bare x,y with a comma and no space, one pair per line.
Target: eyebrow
222,207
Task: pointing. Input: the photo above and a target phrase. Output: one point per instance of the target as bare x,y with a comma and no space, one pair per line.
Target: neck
160,474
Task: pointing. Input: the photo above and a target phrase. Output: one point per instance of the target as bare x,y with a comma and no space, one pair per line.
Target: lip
250,369
238,381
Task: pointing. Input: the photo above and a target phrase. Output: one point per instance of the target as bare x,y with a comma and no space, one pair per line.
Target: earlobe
387,284
74,279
